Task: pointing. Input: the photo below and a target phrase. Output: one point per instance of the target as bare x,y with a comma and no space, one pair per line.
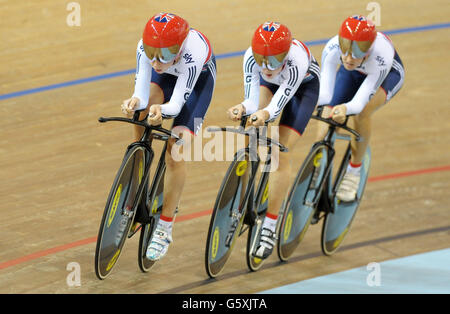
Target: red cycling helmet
356,36
167,32
270,44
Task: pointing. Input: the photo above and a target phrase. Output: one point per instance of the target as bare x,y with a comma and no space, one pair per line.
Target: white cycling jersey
195,54
297,68
376,67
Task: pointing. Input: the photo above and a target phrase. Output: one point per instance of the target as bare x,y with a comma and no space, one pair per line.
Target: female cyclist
281,76
370,74
175,78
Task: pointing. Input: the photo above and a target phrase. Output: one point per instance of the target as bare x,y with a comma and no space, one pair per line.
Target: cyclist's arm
142,78
191,68
330,61
379,69
251,83
296,72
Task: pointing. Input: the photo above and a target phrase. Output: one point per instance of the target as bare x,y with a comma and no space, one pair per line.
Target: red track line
186,217
54,250
409,173
193,215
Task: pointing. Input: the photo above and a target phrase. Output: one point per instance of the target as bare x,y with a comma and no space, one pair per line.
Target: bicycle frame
255,160
329,141
146,142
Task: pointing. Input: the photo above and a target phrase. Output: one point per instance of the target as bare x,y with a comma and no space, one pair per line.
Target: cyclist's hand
259,117
154,115
235,113
339,113
130,105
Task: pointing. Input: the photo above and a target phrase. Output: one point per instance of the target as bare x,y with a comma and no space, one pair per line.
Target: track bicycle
132,205
313,194
240,204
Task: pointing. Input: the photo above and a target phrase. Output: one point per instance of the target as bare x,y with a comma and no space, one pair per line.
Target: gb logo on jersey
271,27
164,17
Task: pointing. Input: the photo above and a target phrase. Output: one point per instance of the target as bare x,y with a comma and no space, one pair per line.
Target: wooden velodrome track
57,162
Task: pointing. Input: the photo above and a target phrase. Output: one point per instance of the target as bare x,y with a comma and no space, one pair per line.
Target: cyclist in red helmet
370,74
281,77
175,78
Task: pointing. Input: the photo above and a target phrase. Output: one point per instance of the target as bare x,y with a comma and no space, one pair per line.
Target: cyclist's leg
282,162
186,124
161,89
293,122
175,175
362,122
174,179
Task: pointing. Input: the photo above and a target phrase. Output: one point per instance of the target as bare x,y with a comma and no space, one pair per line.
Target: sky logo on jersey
164,17
271,26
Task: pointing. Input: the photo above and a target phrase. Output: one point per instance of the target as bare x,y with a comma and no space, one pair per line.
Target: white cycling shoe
348,187
159,244
266,244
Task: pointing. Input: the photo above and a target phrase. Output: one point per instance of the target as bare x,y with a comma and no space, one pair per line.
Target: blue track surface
427,273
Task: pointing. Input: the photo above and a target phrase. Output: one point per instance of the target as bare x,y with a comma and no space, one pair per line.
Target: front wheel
300,205
228,215
119,212
337,224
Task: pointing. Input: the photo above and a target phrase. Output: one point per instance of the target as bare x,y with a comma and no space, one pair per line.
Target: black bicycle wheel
337,224
228,215
156,201
119,212
262,201
300,205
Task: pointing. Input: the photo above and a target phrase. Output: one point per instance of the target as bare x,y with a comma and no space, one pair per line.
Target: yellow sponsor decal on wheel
115,203
265,194
215,243
256,260
141,170
287,226
155,205
113,260
317,159
340,238
241,168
